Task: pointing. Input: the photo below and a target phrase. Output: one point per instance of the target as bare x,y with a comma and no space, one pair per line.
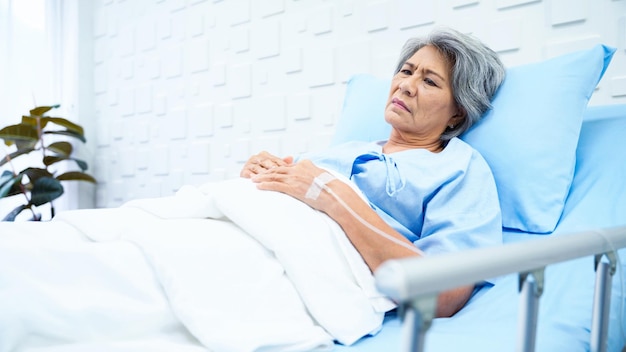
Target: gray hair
477,72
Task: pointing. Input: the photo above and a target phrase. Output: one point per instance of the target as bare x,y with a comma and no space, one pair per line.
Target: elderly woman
424,187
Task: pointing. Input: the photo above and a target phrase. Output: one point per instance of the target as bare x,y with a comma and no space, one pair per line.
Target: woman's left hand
294,180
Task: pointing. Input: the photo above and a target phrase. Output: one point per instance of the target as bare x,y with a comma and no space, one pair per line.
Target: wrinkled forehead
430,58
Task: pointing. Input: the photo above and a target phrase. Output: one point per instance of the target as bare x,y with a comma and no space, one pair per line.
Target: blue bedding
488,322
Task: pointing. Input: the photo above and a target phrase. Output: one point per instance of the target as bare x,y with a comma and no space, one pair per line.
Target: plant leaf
68,133
5,189
76,176
19,132
22,144
14,213
7,179
40,110
63,148
10,184
15,154
15,189
65,123
49,159
81,163
35,173
6,175
33,121
45,189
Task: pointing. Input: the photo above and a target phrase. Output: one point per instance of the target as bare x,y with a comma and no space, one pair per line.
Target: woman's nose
409,85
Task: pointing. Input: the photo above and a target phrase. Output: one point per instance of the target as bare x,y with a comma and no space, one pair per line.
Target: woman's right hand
260,163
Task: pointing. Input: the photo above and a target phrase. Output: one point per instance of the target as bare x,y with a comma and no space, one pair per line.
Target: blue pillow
528,139
362,116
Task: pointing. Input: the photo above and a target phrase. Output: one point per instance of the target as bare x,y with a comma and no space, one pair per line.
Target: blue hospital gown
441,202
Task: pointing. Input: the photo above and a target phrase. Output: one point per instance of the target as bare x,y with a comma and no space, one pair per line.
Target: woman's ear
458,117
460,113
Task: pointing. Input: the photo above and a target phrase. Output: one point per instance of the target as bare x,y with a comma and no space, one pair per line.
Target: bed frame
415,282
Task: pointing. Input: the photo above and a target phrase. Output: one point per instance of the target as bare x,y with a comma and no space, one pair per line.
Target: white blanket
226,265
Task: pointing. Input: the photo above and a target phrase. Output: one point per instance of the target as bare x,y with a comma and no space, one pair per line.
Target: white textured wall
185,91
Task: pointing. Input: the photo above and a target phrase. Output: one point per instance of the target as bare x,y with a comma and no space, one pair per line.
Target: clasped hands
262,162
273,173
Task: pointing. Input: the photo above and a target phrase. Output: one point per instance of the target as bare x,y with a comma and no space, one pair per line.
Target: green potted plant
41,135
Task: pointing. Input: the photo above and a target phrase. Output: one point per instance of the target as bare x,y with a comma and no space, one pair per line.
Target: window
25,57
37,67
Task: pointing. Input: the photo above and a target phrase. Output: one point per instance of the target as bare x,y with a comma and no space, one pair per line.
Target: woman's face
421,104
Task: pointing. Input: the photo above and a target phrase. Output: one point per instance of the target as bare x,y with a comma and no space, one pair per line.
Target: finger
247,172
268,164
264,156
251,170
272,183
269,160
284,161
273,175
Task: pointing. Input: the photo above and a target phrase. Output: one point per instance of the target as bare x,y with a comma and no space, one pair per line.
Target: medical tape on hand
318,185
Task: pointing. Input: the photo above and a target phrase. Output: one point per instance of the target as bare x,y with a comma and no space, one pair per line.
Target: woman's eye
430,82
406,71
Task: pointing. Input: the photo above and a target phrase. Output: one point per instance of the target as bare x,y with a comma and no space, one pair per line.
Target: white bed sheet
240,280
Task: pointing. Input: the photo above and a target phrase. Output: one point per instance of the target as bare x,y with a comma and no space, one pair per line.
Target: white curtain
25,58
38,66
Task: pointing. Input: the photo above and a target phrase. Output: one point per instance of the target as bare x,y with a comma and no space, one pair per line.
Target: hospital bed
560,286
181,273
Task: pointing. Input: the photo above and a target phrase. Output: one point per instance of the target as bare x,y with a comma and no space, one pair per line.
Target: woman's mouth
400,103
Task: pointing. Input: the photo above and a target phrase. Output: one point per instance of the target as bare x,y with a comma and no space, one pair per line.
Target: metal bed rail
415,282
